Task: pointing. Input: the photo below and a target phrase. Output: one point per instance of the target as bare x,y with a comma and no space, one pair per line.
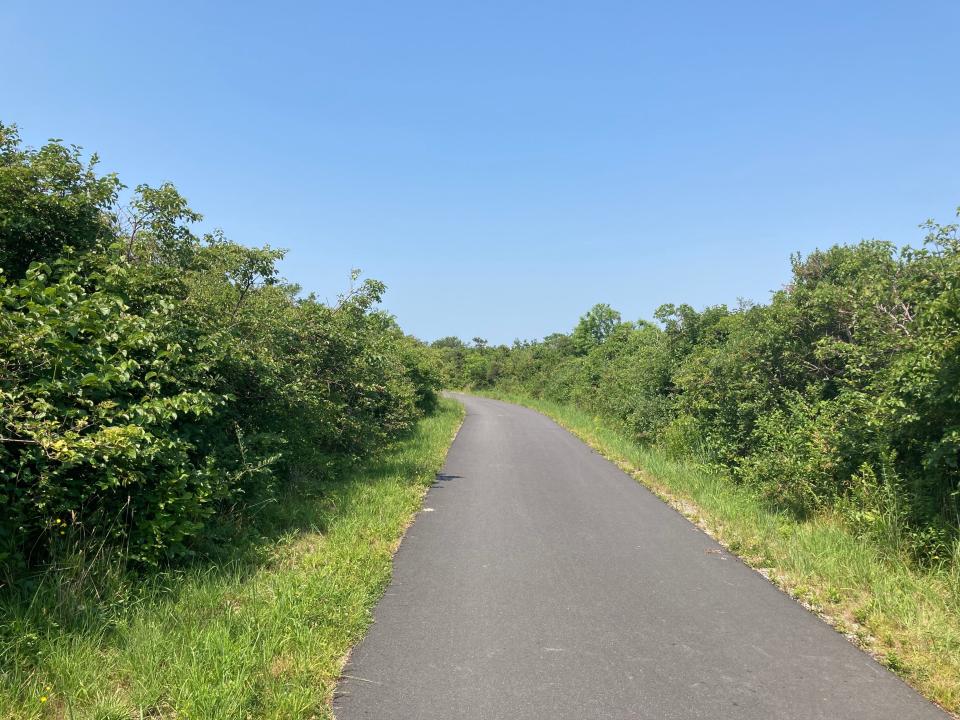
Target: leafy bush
840,395
155,385
49,199
101,398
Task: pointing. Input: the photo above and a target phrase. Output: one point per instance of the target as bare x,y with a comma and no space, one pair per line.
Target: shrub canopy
841,393
154,384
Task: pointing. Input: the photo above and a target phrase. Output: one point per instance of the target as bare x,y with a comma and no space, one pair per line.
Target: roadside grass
907,617
263,635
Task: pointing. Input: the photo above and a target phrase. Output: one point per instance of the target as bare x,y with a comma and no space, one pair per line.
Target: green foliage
155,386
102,394
157,227
48,199
261,633
841,394
595,327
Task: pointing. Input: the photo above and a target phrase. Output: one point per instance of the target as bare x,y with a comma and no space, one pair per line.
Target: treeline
156,385
840,395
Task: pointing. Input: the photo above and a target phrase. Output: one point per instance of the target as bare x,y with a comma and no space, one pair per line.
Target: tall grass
906,616
261,633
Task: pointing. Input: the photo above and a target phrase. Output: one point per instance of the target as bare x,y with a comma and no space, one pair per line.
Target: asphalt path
541,582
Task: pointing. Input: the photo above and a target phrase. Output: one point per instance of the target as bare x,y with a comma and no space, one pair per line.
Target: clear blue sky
504,165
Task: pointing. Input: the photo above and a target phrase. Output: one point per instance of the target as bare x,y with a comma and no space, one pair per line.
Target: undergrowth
261,632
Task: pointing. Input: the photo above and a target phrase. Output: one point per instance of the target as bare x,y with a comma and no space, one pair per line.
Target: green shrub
49,199
840,394
155,386
102,399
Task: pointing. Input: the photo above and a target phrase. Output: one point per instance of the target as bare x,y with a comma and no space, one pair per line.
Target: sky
503,166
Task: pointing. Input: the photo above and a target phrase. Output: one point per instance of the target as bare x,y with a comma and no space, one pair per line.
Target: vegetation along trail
541,581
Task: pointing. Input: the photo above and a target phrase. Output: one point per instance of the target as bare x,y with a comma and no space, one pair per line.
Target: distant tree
450,341
687,328
559,343
480,343
595,327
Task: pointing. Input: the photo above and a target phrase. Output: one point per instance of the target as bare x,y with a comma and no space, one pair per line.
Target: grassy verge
907,617
262,636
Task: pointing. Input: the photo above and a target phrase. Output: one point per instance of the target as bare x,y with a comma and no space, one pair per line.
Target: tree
595,327
158,227
49,199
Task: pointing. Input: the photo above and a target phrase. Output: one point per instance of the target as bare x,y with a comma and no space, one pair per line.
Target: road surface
542,583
